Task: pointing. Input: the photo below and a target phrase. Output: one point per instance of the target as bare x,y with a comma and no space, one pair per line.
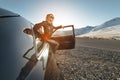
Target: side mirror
27,31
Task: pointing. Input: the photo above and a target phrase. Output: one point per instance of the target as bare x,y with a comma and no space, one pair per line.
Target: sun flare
63,19
63,15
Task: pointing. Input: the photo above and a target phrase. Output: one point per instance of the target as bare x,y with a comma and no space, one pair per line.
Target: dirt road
92,59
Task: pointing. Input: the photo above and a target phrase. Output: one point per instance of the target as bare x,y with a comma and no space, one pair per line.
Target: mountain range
109,29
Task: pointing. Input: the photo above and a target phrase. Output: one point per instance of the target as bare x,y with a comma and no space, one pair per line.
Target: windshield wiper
7,16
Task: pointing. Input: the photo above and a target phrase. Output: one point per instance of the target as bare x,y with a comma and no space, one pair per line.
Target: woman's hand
61,26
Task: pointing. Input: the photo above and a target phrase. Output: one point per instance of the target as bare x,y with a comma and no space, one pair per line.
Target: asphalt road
99,43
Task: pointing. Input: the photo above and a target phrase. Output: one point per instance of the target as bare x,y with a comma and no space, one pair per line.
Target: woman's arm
38,29
58,27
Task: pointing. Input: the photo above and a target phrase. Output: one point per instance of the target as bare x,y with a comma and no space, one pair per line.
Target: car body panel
13,44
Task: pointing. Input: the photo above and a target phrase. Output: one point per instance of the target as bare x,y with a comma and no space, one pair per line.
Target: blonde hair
50,15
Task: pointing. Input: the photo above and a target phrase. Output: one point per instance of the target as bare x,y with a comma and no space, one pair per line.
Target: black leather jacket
48,28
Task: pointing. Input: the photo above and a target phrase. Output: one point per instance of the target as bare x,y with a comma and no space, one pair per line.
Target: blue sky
80,13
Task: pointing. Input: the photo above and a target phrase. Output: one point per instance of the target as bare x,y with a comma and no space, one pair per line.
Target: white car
20,58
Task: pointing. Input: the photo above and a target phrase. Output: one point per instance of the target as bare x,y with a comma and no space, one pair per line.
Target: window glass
63,32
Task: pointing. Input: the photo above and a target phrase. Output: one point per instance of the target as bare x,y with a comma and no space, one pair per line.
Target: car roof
4,12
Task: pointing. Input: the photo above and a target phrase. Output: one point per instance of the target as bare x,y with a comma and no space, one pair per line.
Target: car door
65,37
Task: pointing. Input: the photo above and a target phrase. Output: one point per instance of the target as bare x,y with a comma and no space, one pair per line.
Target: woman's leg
54,44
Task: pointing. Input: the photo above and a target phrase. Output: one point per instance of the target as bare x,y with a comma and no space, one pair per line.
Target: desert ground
92,59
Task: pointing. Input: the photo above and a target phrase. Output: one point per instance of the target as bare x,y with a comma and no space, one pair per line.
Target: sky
79,13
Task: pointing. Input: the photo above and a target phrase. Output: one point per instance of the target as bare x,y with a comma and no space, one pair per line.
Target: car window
63,32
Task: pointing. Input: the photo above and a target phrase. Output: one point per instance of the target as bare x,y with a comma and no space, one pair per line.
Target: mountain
83,30
109,29
112,22
109,32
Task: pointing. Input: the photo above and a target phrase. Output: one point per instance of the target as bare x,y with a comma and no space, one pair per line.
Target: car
23,57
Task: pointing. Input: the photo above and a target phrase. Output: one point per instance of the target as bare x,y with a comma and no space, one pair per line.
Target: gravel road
90,61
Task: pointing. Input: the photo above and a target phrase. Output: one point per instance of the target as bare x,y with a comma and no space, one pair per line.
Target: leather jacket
48,29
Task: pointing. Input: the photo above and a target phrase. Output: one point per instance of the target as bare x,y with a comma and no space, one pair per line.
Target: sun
63,15
63,19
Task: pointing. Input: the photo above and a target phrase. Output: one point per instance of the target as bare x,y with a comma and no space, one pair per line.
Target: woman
47,32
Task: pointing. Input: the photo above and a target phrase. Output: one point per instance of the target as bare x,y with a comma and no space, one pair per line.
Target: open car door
65,37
